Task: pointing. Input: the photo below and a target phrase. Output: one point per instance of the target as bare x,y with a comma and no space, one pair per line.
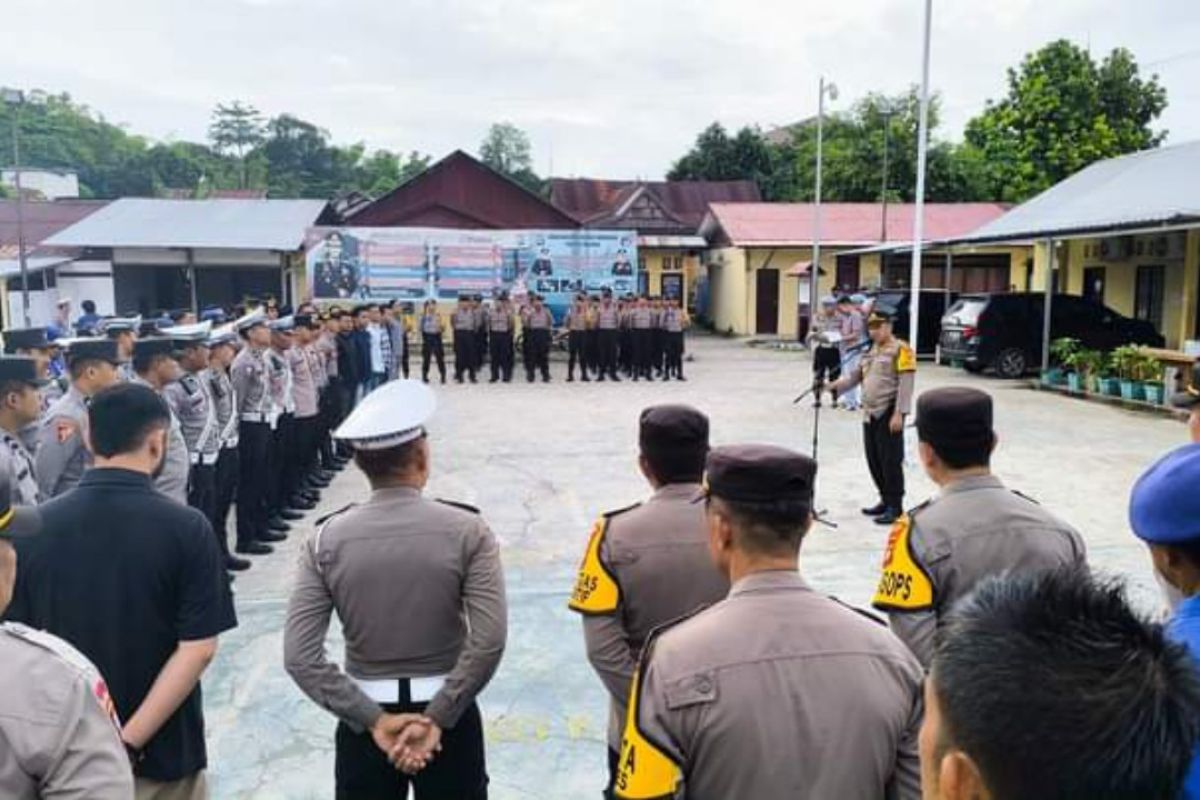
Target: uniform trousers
625,350
327,415
658,348
306,429
254,464
459,772
481,347
464,354
283,469
433,348
202,496
577,352
591,351
642,344
404,355
608,352
885,459
225,489
345,404
539,353
193,787
673,355
501,354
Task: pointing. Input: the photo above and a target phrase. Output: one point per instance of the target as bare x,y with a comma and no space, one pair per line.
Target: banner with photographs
416,264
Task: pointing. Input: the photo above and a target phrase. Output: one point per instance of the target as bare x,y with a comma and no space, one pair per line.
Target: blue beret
1164,507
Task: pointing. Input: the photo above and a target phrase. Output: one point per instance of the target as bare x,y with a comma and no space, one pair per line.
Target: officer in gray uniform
123,331
251,386
20,406
192,404
607,319
538,326
154,366
778,690
419,591
32,343
647,564
222,346
973,528
62,455
59,735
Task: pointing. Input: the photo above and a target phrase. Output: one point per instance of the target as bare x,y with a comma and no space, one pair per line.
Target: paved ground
543,461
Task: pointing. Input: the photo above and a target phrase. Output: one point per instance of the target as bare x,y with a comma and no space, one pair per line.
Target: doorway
766,302
1093,284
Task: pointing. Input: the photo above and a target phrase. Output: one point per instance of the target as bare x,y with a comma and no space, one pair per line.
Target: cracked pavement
542,461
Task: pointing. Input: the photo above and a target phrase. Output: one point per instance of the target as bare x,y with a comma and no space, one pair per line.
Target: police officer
282,503
824,339
154,366
62,455
539,330
432,345
252,390
608,324
192,404
465,338
500,325
123,331
59,734
887,374
20,406
647,564
418,588
578,322
974,528
32,343
778,690
306,382
674,323
222,347
591,339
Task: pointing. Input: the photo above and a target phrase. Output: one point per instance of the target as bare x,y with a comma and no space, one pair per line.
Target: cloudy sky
612,89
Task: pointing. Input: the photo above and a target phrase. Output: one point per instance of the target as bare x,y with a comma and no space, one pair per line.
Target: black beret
759,473
21,368
97,349
673,427
25,339
954,417
1190,396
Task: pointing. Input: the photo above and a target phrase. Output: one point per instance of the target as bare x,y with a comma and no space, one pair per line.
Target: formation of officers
252,402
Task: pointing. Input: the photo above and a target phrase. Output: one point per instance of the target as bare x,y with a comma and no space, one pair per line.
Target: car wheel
1011,363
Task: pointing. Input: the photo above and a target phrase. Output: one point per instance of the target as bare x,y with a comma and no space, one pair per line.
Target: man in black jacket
349,369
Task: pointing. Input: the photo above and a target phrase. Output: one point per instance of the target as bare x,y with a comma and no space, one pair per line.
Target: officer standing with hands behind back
887,374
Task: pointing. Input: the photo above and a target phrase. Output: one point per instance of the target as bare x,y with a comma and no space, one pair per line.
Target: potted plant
1090,366
1127,362
1062,353
1150,373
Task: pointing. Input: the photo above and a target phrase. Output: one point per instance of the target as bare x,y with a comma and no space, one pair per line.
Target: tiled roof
594,201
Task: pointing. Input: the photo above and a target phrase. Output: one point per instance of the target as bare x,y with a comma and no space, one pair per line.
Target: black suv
1003,332
934,303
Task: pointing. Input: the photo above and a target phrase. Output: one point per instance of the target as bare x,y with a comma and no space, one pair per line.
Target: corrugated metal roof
225,223
1146,189
853,224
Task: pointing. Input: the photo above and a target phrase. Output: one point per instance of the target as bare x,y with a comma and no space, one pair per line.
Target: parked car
1003,332
934,304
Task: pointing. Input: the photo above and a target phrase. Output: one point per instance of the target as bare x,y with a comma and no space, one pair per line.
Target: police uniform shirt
887,374
192,404
220,389
125,574
58,729
464,320
578,319
304,386
326,347
19,465
938,553
775,692
672,320
279,382
431,324
608,318
500,319
173,479
851,326
540,319
644,566
248,374
62,455
419,591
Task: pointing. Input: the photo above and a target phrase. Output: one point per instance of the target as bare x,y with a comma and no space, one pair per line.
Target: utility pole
919,221
15,98
814,270
883,195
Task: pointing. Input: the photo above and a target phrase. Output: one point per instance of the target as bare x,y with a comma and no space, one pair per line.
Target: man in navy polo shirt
136,582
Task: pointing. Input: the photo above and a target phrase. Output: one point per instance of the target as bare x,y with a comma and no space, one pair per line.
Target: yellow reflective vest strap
644,771
906,358
904,584
596,589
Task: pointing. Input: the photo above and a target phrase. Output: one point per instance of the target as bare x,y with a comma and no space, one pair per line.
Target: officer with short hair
124,331
647,564
674,322
777,690
887,374
251,386
975,526
465,338
501,322
539,330
20,406
608,323
578,324
419,591
222,348
432,346
59,733
62,455
154,366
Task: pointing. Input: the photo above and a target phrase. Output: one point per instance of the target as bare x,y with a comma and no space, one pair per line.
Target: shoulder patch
906,358
333,514
596,588
645,771
904,584
619,511
463,506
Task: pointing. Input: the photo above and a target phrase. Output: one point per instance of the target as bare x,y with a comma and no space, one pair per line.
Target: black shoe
586,379
600,379
493,380
235,564
316,483
278,525
635,379
474,381
311,494
680,378
875,510
272,536
289,515
545,379
571,379
615,379
254,549
508,380
301,504
443,380
888,517
458,380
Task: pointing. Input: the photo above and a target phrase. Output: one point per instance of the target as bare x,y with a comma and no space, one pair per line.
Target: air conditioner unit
1116,248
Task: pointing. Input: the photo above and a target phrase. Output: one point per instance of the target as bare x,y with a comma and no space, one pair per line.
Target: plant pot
1055,377
1154,393
1092,384
1110,387
1132,390
1074,382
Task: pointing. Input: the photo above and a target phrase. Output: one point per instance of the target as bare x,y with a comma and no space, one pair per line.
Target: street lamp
814,270
914,304
15,98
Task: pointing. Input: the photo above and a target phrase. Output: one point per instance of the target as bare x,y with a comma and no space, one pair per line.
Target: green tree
1062,112
236,129
506,149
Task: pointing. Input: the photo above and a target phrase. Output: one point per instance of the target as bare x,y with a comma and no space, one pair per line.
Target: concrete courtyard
542,461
